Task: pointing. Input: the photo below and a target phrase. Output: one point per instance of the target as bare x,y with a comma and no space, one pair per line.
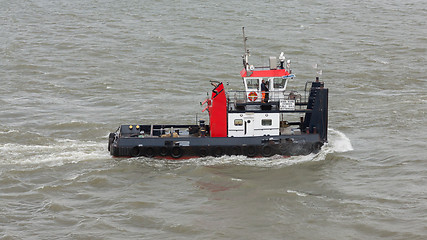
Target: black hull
176,148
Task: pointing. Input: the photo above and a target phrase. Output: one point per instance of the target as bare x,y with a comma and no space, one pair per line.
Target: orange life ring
252,96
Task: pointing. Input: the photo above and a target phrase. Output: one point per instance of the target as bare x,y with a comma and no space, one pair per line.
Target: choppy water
72,71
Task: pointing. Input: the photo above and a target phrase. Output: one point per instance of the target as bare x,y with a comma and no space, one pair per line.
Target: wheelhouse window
266,122
279,82
252,83
238,122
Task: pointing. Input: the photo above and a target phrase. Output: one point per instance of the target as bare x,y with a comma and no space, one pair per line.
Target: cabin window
238,122
266,122
252,83
279,82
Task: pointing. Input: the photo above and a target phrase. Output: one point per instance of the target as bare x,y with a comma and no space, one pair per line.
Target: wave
338,142
301,194
60,152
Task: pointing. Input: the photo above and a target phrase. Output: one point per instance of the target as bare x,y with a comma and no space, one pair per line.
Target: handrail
234,96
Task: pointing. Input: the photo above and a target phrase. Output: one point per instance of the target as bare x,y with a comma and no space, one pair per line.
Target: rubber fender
317,146
267,151
149,152
251,151
115,151
110,140
177,152
236,150
203,152
218,151
163,151
134,152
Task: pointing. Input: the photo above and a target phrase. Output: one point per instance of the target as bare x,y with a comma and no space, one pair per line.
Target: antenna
244,39
319,71
246,55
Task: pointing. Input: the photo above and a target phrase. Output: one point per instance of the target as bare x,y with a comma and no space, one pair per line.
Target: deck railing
241,97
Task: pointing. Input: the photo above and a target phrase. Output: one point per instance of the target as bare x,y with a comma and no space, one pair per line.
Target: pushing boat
262,120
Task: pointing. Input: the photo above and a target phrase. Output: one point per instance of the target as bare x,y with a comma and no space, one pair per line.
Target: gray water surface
73,71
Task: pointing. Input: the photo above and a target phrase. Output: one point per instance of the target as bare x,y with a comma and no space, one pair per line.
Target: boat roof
264,73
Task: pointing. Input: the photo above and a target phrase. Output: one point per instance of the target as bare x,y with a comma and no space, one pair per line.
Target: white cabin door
248,126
